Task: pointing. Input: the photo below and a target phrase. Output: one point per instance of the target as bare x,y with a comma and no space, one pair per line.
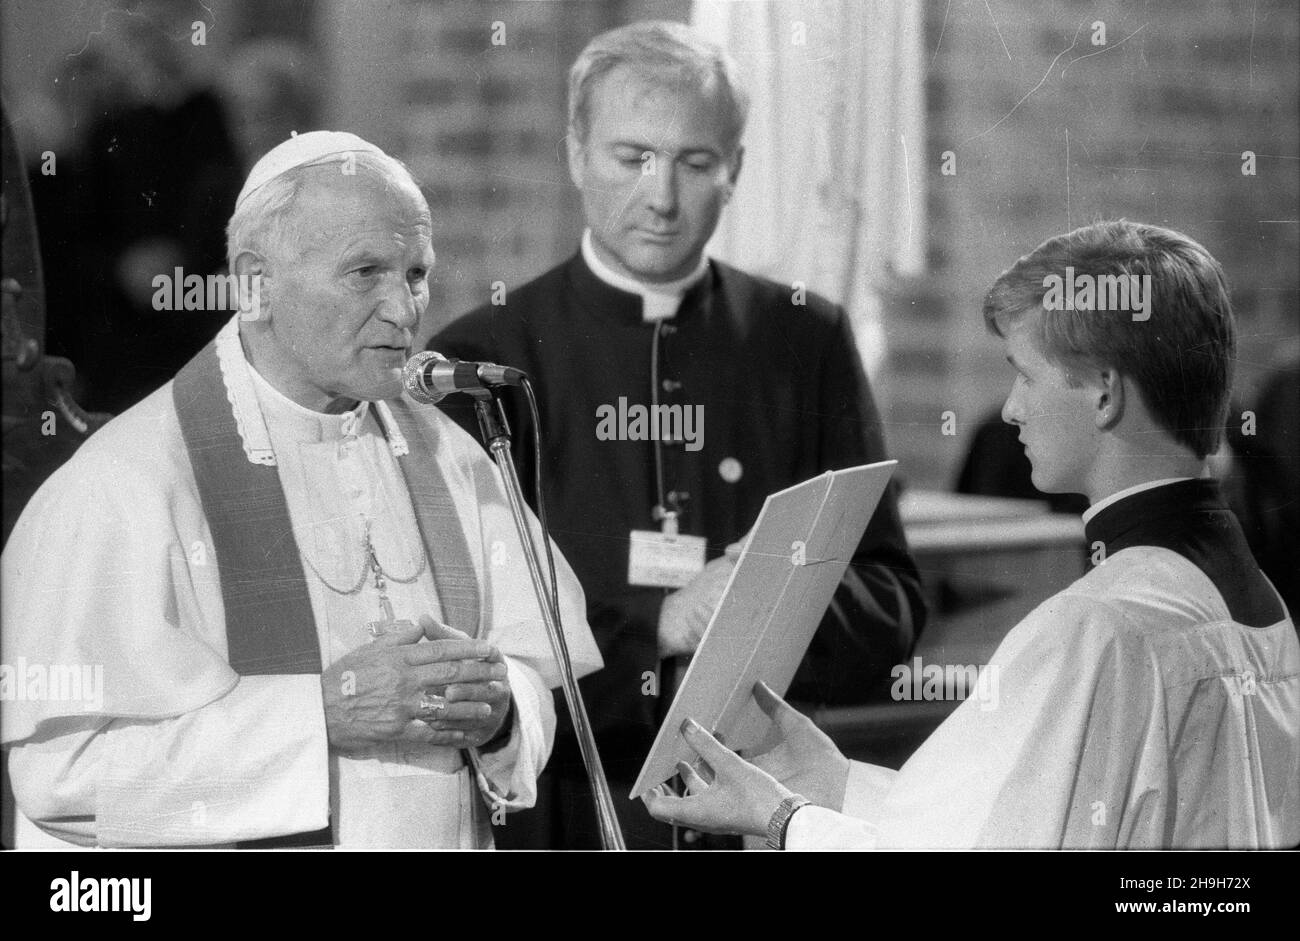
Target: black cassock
784,398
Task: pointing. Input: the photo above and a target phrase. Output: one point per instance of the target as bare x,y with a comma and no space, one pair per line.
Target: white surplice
111,565
1133,713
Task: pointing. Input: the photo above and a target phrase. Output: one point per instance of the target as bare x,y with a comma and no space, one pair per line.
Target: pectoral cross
389,622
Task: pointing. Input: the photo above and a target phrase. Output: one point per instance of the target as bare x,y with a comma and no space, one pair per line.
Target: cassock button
730,470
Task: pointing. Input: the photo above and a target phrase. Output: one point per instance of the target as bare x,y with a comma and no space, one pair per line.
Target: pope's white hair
263,223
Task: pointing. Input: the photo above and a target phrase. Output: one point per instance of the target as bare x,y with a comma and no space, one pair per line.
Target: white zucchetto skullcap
300,150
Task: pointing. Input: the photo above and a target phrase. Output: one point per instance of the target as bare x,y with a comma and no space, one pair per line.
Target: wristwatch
780,821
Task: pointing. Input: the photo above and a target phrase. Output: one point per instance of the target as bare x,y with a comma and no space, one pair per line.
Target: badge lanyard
667,511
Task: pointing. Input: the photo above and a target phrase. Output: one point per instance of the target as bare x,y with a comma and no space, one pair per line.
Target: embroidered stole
270,627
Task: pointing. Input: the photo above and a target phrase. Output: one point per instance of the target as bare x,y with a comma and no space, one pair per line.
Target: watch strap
780,820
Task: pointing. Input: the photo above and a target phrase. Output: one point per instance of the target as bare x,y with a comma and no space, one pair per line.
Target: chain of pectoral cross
388,622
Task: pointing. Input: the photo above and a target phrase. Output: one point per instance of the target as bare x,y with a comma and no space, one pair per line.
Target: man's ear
577,157
737,161
251,278
1110,398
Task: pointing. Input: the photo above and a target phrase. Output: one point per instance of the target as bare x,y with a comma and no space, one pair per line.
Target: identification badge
664,560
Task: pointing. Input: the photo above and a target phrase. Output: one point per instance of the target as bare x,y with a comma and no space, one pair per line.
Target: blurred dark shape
1263,487
146,188
43,425
270,90
996,466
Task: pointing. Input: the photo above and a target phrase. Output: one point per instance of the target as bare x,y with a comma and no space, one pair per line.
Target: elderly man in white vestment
1154,703
296,600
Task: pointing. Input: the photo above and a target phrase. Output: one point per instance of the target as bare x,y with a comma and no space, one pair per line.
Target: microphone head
413,379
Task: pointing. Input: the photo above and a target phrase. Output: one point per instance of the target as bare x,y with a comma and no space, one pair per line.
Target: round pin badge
730,470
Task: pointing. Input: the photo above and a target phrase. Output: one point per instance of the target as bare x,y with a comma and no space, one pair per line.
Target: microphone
429,377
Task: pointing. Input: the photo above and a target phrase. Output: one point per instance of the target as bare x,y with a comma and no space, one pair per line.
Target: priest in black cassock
758,388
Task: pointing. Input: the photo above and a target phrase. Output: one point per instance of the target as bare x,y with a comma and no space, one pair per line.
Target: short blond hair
654,48
1181,358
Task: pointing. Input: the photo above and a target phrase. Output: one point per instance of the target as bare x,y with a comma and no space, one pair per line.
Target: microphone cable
535,415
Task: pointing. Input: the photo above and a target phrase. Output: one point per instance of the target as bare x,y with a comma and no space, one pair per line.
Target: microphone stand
496,434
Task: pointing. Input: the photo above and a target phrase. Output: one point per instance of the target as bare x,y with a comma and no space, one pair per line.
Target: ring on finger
432,706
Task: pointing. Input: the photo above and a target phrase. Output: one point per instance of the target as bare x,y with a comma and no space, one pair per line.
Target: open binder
787,572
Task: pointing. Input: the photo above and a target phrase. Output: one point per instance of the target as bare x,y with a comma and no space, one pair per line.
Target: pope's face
655,171
343,304
1057,420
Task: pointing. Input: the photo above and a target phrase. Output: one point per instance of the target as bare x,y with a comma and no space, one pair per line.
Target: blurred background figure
269,93
144,173
1263,475
157,175
43,424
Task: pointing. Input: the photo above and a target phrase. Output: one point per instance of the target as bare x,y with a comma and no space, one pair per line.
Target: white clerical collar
306,423
1100,505
247,391
659,301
